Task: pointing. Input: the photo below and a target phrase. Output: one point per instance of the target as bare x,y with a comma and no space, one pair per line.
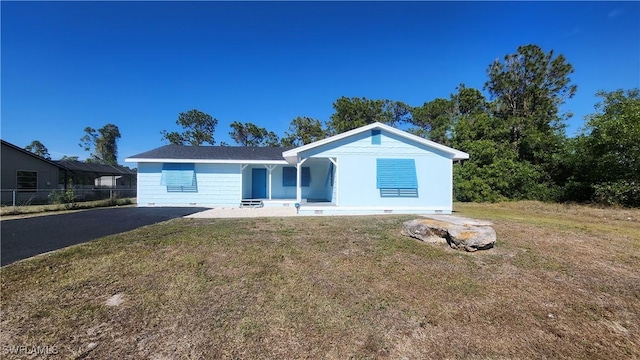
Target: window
179,177
397,178
376,137
27,180
289,176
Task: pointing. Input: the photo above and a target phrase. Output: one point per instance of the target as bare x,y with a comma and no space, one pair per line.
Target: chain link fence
15,198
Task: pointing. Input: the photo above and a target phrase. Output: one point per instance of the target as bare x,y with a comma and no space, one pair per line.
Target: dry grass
11,212
562,282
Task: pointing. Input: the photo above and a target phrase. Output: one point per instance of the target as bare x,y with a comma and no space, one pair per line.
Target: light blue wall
360,144
355,176
218,185
224,185
330,189
357,182
357,171
315,190
278,191
246,181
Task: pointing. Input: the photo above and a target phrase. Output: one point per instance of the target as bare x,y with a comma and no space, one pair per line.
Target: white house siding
218,185
356,174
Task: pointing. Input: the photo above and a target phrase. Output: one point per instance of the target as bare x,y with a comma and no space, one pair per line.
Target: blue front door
259,183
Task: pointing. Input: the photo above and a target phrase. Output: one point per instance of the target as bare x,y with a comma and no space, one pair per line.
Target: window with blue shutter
289,176
306,176
376,137
178,177
397,177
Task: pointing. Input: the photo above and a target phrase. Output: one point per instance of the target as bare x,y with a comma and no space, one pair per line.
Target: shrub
55,197
621,192
66,197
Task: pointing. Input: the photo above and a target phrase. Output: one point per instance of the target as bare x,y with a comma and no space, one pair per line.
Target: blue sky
69,65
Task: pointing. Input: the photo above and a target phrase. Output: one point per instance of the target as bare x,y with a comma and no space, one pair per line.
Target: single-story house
27,178
372,169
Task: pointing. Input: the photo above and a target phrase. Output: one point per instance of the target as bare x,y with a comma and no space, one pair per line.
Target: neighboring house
25,175
372,169
100,176
31,178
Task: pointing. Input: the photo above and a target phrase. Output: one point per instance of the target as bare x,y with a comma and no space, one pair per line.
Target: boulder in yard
459,233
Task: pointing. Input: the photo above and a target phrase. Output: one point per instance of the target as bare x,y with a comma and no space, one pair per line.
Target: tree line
515,137
102,145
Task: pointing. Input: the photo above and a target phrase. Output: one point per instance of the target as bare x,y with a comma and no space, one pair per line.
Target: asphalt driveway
23,238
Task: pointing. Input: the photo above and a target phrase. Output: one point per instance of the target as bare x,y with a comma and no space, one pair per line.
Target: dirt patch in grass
562,282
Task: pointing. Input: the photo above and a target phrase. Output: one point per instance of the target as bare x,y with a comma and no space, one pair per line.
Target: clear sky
69,65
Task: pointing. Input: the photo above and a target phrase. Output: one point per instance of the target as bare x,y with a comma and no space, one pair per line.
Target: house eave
29,153
292,155
206,161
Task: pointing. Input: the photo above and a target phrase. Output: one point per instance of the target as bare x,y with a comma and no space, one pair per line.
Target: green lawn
562,282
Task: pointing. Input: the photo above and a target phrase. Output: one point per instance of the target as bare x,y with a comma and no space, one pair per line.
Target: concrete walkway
282,211
236,212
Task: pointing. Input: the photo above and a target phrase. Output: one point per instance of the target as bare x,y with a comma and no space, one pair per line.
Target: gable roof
72,165
292,155
212,154
27,152
270,155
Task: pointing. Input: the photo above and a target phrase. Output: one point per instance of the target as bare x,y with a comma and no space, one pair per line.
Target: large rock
459,233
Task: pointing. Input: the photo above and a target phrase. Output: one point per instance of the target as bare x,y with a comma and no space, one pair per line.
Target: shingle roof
28,153
181,152
95,168
78,165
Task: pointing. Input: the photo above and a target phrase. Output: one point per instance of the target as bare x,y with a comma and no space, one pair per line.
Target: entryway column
299,180
269,170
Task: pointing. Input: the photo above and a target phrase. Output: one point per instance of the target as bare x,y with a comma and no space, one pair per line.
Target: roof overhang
29,153
291,156
207,161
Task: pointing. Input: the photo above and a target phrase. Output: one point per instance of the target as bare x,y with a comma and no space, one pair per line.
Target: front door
259,183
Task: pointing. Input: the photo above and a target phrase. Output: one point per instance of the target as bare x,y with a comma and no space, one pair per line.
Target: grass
8,210
562,282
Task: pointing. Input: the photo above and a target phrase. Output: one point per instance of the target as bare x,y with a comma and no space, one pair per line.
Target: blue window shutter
396,174
174,174
376,137
289,176
306,176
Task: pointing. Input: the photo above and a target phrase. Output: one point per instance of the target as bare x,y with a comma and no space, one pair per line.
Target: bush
55,197
504,179
66,197
621,192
